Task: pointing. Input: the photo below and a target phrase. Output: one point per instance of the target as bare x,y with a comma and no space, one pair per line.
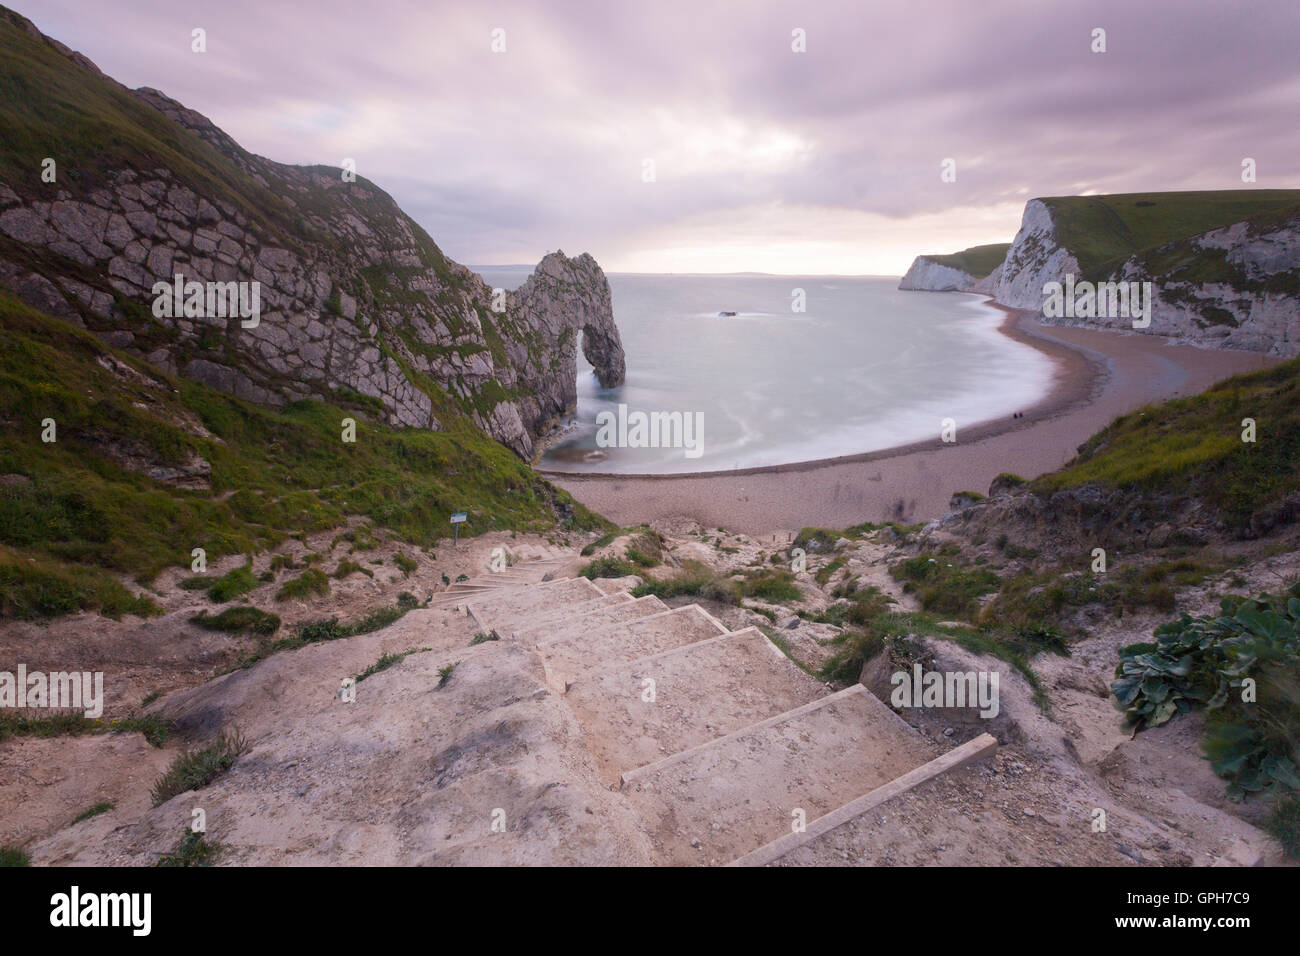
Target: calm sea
863,368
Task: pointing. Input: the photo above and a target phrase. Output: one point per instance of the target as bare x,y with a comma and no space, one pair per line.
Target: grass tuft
237,619
195,769
193,849
313,581
94,811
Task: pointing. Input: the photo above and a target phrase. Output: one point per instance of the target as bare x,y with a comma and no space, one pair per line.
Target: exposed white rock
926,275
1253,312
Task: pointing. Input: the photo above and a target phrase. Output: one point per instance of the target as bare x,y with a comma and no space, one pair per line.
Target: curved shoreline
1100,375
1080,374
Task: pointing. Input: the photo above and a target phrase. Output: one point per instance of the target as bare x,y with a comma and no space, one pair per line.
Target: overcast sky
765,159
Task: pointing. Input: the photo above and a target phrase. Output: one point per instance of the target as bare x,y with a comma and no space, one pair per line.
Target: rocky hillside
357,303
146,467
1223,264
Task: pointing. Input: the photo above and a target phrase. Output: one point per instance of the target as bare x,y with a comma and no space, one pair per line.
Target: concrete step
983,746
507,605
518,568
562,614
564,628
541,552
701,691
613,584
737,793
474,585
453,598
462,591
506,578
567,653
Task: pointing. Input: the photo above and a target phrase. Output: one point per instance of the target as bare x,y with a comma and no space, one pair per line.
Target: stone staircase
530,564
720,741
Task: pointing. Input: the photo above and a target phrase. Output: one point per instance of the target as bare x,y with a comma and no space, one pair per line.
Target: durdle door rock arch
357,303
564,296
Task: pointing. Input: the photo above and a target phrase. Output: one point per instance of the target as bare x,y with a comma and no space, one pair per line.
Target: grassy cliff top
54,105
1103,231
94,127
977,261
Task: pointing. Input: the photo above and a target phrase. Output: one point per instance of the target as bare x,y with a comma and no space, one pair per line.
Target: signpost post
458,519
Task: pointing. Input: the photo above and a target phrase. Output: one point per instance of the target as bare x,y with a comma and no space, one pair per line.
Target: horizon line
743,272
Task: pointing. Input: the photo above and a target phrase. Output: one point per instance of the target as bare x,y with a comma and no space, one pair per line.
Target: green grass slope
1193,446
1103,231
93,126
977,261
77,519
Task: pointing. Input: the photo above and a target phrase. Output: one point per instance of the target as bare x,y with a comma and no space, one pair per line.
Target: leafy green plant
1283,823
1243,667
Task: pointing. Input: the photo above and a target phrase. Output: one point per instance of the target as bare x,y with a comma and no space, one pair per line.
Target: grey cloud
502,158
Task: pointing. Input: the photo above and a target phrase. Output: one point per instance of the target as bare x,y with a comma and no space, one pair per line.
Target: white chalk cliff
1233,287
928,275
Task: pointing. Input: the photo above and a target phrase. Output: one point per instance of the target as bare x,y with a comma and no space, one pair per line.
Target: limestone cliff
1224,266
1234,286
927,274
357,302
972,270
